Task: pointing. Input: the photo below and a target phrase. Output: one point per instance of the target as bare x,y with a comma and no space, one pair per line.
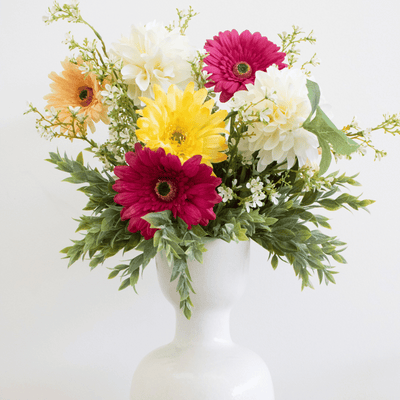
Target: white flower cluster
225,192
111,94
273,194
48,125
153,55
313,180
275,108
70,12
257,194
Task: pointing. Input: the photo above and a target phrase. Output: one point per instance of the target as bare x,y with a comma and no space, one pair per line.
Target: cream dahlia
234,59
154,181
75,90
153,55
276,107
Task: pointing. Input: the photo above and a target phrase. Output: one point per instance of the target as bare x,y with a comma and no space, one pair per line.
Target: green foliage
180,245
106,234
273,207
289,45
327,133
290,238
184,18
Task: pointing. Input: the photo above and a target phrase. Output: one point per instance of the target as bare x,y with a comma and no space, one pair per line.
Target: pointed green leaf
113,274
79,159
314,95
274,261
124,284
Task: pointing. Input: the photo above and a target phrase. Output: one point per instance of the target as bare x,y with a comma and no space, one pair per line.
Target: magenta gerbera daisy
234,59
154,181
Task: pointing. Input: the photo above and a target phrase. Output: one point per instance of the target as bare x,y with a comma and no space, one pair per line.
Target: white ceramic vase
202,362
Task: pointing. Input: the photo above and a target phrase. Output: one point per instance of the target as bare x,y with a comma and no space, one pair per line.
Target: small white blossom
119,158
29,107
226,193
367,133
125,136
257,199
362,149
80,117
355,123
273,197
113,136
248,204
84,68
74,110
255,185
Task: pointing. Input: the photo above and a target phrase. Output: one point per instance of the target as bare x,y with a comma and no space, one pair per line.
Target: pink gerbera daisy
234,59
154,181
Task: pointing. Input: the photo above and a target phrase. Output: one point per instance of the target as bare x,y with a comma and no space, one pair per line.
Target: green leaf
365,203
284,233
309,197
179,267
135,263
79,159
339,258
314,95
326,156
330,204
96,261
133,280
198,231
134,240
270,221
327,133
113,274
303,234
329,277
158,219
274,261
125,284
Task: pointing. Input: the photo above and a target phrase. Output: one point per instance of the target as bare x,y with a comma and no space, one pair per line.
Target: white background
69,334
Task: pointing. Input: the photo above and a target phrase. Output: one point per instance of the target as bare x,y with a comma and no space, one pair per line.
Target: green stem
98,35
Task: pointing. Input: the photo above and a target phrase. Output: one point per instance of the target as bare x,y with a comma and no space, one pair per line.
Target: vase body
202,362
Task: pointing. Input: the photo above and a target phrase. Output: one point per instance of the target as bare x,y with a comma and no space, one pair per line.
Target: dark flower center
85,95
178,136
242,69
165,190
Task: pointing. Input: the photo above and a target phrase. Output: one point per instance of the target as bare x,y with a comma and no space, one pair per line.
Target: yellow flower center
178,136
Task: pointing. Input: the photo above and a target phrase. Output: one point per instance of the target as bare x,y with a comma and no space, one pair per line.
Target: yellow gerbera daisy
74,89
182,125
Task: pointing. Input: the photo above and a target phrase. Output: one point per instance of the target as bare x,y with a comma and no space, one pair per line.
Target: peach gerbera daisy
74,89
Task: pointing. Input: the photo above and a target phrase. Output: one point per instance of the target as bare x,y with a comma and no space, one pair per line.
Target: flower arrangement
229,142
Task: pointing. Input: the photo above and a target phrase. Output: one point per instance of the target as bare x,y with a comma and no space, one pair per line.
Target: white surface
202,362
69,334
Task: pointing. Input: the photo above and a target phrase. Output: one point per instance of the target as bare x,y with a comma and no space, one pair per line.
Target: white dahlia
276,106
153,55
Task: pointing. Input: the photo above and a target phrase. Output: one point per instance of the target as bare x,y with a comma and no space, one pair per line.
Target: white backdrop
69,334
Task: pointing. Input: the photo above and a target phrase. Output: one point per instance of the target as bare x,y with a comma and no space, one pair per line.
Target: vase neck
218,283
205,327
